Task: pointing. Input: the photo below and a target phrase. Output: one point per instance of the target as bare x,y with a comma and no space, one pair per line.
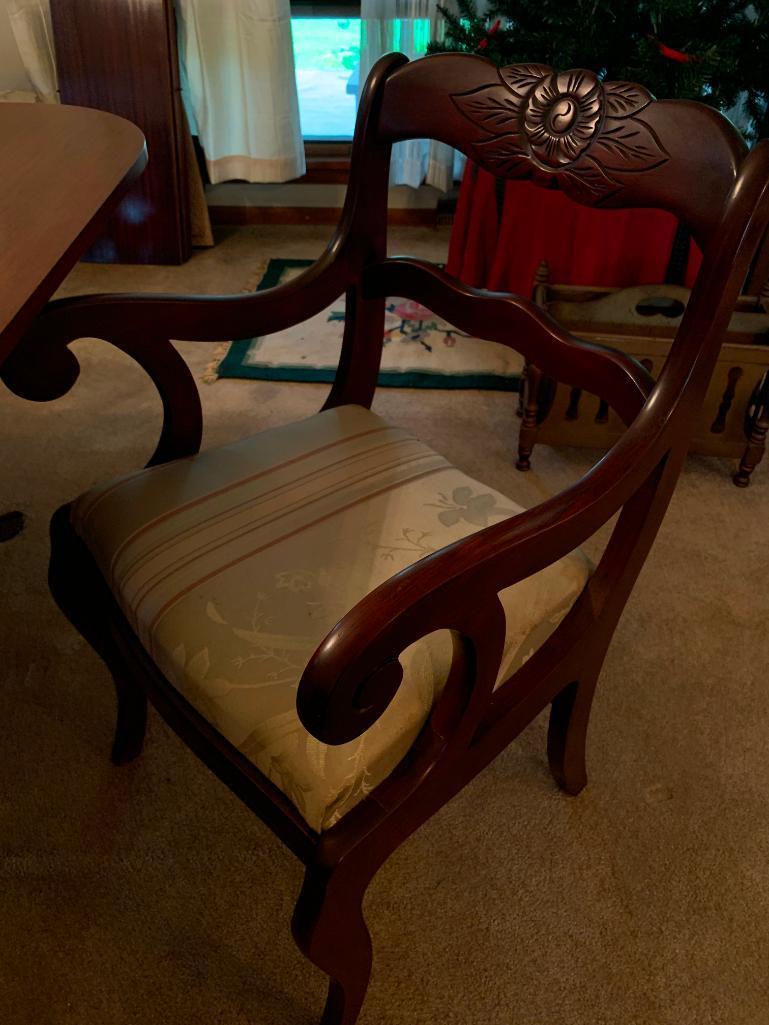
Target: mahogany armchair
343,627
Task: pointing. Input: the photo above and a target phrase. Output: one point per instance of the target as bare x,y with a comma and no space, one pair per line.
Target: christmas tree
716,51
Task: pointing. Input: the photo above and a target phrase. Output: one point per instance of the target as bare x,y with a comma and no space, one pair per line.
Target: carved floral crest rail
539,123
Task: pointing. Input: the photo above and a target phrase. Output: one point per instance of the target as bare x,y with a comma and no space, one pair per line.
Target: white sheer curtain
31,26
239,87
407,26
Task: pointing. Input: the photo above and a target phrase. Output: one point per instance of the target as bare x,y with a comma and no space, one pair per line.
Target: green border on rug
233,364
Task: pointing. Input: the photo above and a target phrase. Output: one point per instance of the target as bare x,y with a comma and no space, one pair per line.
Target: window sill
328,163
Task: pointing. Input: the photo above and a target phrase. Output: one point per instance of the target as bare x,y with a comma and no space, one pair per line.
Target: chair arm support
517,323
207,318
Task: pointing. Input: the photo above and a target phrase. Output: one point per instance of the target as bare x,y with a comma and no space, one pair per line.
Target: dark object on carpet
11,524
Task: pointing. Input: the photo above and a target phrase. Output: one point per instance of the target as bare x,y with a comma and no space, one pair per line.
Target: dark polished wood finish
705,178
121,56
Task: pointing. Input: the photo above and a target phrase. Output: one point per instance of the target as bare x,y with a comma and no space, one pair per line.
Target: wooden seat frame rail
603,143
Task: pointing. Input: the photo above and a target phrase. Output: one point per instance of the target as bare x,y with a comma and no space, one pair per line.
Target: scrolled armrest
354,674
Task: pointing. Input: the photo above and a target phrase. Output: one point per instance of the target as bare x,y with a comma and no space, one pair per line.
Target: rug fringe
211,373
258,276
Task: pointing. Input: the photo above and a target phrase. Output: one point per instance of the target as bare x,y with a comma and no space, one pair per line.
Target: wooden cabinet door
121,56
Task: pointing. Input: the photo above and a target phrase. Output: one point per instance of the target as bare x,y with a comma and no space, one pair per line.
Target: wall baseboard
400,216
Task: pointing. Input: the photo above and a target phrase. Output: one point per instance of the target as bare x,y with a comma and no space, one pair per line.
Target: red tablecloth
582,245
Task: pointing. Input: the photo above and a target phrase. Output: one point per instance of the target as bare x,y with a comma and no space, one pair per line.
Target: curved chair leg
330,930
567,734
77,593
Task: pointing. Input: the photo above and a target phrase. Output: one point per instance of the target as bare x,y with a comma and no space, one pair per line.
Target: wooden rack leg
527,438
756,447
519,409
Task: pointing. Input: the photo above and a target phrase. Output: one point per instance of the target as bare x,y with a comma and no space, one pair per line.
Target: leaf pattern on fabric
296,581
409,541
280,654
472,508
214,614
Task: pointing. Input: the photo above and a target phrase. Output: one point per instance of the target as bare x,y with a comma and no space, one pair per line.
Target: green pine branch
728,44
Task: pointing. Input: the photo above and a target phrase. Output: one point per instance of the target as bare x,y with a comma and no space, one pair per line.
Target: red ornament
673,55
489,33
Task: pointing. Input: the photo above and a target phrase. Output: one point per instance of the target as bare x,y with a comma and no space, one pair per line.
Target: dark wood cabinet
121,56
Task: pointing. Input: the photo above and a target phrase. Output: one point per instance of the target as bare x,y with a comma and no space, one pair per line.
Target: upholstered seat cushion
233,565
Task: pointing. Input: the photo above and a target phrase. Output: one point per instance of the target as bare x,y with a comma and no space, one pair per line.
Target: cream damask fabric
232,567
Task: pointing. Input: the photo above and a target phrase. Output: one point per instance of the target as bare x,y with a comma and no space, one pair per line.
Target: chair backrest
608,144
605,144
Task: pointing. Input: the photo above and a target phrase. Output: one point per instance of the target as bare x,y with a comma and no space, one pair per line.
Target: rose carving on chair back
565,126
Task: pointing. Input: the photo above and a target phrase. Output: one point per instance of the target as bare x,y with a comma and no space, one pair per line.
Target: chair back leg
567,734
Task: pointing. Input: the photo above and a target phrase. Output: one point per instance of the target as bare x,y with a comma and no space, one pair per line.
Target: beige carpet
149,895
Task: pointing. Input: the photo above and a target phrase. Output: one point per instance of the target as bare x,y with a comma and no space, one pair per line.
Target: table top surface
62,171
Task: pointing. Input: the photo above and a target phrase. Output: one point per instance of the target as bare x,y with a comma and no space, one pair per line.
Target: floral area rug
420,349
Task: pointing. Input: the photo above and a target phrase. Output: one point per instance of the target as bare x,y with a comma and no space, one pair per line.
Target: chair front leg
131,724
330,930
79,591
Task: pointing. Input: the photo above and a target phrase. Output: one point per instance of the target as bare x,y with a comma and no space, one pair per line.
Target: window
327,57
327,48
